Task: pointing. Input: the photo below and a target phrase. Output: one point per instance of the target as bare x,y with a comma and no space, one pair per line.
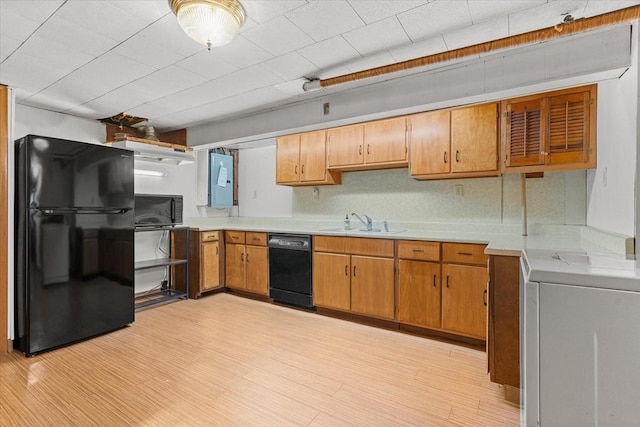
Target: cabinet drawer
424,251
354,245
209,236
256,239
234,236
464,253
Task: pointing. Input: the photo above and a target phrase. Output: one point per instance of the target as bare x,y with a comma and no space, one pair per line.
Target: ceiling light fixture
209,22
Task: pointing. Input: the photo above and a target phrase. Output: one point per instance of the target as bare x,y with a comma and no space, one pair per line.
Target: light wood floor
225,360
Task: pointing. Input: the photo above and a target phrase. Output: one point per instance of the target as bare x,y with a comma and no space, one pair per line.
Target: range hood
158,152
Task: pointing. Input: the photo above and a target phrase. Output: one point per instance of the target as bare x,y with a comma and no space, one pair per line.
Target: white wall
258,194
611,187
29,120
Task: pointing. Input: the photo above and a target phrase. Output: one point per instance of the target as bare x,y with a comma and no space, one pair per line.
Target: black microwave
157,210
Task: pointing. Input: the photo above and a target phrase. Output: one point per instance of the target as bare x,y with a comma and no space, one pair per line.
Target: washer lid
609,271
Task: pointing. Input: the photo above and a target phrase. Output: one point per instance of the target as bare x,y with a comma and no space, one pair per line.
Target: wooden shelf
151,142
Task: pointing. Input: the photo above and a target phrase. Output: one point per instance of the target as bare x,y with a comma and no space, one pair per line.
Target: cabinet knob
368,146
354,271
447,281
295,170
359,149
445,157
242,257
346,270
457,156
302,169
434,280
484,297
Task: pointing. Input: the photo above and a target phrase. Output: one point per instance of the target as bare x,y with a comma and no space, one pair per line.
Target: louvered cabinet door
524,133
567,128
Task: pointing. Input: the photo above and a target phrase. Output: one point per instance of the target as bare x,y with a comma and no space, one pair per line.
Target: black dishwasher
290,269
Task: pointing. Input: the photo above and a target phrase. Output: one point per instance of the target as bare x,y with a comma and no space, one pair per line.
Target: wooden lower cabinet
247,265
332,280
503,343
372,288
205,252
355,275
419,293
464,307
257,269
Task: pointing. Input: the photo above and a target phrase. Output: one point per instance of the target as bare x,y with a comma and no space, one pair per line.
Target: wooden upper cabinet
288,159
385,141
345,146
313,156
524,129
568,129
430,137
456,143
375,145
301,159
474,138
550,131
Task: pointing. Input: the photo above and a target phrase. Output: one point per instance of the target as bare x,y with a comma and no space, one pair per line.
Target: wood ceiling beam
560,30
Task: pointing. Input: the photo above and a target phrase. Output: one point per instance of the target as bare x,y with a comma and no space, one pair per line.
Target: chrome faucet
368,223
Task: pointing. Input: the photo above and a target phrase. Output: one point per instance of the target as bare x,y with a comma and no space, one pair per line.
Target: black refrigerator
74,242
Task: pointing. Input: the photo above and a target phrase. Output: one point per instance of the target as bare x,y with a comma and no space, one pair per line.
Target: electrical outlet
325,108
604,176
316,193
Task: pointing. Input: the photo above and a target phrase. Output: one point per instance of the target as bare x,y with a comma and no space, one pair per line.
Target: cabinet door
419,293
332,280
385,141
429,139
523,133
568,129
372,286
234,266
313,156
210,265
257,269
474,138
464,307
287,159
345,146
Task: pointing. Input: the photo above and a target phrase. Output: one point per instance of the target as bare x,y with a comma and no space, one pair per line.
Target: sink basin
376,231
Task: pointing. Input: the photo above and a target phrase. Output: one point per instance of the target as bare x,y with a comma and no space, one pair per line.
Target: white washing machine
580,339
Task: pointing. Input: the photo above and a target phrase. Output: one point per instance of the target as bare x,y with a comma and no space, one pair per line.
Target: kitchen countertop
500,239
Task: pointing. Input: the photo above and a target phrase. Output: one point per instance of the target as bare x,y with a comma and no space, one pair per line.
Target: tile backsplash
557,198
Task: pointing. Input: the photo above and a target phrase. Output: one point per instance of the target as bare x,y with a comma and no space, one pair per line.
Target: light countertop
506,240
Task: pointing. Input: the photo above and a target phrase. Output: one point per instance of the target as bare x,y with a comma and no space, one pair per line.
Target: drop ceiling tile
599,7
378,60
28,73
74,37
419,49
167,81
99,77
15,25
34,10
384,34
150,52
330,52
334,72
478,33
240,53
152,110
291,66
51,102
434,18
262,11
325,19
7,46
148,10
483,10
167,31
102,18
278,36
58,58
206,64
543,16
376,10
117,101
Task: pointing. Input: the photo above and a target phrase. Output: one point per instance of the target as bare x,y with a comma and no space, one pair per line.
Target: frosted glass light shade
209,22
